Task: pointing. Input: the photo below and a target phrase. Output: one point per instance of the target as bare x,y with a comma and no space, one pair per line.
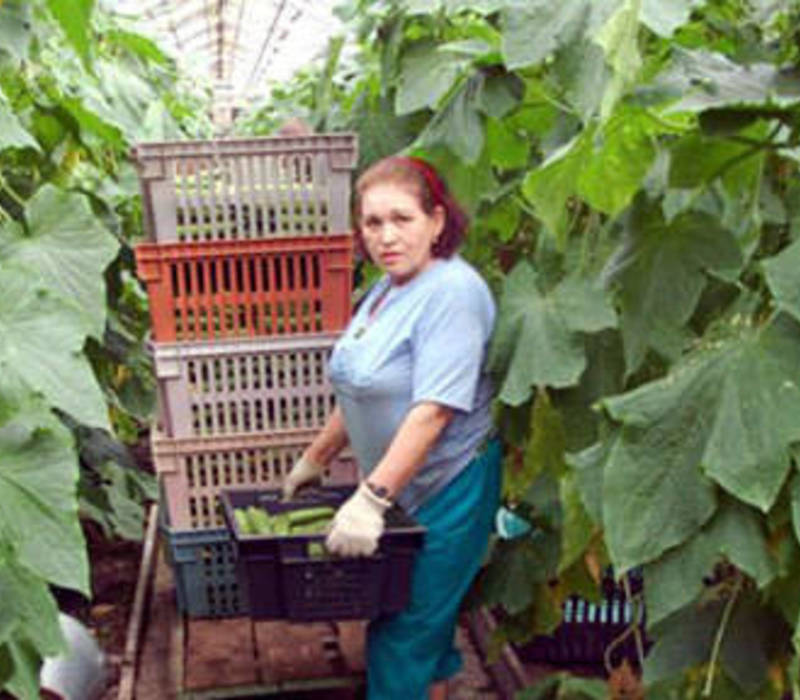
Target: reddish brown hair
430,189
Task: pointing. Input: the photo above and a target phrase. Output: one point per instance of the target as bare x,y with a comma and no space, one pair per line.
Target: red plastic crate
234,289
251,385
234,189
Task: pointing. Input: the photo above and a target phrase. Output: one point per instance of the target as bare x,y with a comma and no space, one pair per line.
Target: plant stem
11,192
744,155
723,623
637,619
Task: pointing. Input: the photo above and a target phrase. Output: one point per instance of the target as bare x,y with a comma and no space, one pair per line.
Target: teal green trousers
409,651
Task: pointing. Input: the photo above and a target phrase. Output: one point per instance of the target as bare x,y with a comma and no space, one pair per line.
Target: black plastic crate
588,628
280,578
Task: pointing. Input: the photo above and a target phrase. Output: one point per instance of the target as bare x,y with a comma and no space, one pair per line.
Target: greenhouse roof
240,46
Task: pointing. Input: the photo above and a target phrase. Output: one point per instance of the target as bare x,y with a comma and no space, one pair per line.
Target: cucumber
259,521
315,527
302,516
316,550
280,524
303,521
242,521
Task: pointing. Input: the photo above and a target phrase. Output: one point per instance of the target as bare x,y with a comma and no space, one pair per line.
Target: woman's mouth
388,258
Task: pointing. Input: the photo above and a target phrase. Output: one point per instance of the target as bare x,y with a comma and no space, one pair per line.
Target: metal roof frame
240,46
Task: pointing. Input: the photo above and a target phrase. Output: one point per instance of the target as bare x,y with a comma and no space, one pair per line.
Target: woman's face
397,232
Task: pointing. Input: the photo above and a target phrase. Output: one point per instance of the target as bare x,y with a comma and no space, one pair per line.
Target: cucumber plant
631,168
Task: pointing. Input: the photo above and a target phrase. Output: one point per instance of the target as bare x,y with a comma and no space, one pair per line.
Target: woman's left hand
358,524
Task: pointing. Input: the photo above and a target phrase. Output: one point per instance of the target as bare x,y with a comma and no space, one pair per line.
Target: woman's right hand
303,471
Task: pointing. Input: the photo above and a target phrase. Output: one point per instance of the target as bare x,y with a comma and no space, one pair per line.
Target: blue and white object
509,525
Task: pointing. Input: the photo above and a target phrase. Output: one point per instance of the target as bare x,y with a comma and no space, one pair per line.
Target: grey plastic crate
230,189
193,471
244,386
203,566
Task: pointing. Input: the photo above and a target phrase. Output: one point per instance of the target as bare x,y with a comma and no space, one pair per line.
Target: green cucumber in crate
303,521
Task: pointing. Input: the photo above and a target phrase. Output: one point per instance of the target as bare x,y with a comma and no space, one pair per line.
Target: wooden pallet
171,656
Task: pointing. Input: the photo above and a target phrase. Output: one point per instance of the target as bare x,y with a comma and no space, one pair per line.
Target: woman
413,402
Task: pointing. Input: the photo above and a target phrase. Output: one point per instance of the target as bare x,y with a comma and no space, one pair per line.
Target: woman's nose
388,232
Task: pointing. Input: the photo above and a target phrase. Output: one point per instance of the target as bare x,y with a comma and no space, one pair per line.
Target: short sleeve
448,347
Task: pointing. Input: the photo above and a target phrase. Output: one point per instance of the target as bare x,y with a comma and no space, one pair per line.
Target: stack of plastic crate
248,273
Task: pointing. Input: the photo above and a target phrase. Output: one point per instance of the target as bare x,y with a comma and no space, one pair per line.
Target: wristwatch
380,491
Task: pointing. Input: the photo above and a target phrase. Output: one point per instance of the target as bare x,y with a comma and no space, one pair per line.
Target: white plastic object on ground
81,672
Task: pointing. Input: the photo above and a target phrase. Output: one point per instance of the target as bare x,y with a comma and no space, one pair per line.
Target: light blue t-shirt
427,342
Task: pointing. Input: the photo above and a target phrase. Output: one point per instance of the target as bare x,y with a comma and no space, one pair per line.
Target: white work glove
358,524
302,472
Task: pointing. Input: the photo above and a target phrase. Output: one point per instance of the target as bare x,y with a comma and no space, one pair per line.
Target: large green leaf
603,376
94,128
605,166
729,409
582,73
739,164
535,29
68,248
481,6
551,186
38,508
544,452
15,28
28,601
470,184
502,219
589,469
578,527
751,637
12,133
616,169
755,636
618,38
426,75
30,630
659,271
783,277
459,124
75,19
652,499
24,665
795,496
139,45
676,579
500,94
706,80
665,17
40,344
517,567
538,337
380,132
128,98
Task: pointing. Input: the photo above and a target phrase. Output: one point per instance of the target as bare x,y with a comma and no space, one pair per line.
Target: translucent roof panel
240,46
